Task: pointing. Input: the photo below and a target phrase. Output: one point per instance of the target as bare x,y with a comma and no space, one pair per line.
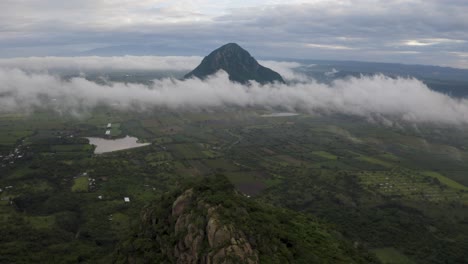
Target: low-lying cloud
89,64
405,99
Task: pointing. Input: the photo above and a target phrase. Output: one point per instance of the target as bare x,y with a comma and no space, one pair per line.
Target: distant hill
451,81
210,222
238,63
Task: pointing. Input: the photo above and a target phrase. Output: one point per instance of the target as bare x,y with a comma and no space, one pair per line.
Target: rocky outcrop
204,238
211,223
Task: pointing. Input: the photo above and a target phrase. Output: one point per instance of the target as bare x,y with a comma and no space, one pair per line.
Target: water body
108,145
280,114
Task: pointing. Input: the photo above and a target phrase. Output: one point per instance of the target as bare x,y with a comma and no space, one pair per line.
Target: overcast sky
413,31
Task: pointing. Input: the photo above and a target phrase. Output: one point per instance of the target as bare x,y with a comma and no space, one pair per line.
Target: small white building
100,197
126,199
109,125
108,133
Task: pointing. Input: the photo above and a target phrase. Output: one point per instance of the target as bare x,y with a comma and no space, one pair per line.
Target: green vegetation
397,193
10,138
80,184
391,256
42,221
324,154
374,161
262,232
115,130
444,180
411,185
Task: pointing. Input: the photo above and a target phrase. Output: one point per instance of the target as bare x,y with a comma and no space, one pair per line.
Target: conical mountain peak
238,63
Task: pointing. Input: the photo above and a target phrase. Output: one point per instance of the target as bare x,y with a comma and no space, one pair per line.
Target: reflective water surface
108,145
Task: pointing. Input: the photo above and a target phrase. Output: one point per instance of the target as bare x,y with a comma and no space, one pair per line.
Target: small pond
104,145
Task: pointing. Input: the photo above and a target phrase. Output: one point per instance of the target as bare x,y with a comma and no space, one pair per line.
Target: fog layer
371,97
91,64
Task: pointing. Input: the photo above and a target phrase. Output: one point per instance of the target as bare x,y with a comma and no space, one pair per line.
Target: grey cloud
377,97
95,63
369,30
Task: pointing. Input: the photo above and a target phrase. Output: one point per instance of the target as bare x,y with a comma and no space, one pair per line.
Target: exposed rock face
238,63
211,223
223,243
181,203
201,237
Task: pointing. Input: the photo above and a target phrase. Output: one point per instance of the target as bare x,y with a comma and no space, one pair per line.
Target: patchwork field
408,184
349,173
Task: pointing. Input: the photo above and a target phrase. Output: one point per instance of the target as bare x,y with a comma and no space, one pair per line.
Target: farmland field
375,184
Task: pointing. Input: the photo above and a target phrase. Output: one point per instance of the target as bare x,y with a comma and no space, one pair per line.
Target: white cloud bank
379,96
130,63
